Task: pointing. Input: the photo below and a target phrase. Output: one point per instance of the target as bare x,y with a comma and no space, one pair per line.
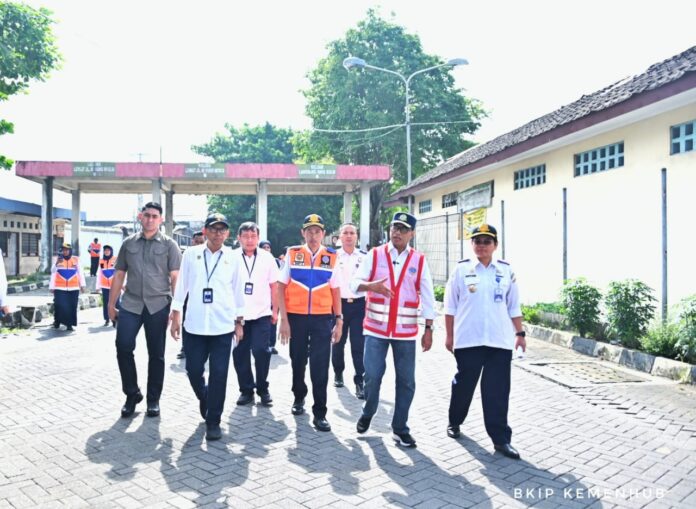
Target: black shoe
56,325
245,399
266,399
359,391
106,323
69,328
453,431
404,439
274,351
363,424
507,450
338,380
298,406
203,407
181,354
153,409
213,432
129,407
321,424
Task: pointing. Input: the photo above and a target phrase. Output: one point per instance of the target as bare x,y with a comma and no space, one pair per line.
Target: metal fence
441,239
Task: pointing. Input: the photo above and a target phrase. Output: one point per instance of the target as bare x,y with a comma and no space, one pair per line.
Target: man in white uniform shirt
3,288
483,322
353,307
260,278
212,278
397,280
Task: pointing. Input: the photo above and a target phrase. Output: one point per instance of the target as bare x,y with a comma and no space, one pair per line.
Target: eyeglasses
400,228
485,242
218,230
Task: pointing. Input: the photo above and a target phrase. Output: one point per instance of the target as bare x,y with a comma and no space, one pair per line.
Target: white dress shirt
478,319
261,271
226,281
346,266
427,295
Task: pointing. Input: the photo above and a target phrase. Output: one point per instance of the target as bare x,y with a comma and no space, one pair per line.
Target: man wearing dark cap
211,279
310,311
67,280
483,322
151,261
397,280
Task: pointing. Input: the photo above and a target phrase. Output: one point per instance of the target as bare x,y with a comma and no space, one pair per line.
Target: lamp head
351,62
453,62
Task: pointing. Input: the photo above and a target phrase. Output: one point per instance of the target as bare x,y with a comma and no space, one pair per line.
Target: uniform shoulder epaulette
362,251
465,260
331,250
503,262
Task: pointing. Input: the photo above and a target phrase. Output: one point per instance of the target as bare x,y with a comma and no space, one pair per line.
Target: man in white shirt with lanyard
260,276
211,276
353,308
397,280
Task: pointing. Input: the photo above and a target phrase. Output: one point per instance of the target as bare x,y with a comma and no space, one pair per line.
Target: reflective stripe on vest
397,317
308,291
106,274
66,275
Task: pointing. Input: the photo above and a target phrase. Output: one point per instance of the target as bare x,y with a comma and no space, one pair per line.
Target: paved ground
584,444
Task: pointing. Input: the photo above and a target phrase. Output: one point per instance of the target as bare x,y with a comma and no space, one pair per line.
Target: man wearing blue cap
397,280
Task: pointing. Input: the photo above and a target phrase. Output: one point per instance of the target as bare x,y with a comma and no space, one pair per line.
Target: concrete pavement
590,435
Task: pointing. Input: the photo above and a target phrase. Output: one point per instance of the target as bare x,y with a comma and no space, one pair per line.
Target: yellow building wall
614,216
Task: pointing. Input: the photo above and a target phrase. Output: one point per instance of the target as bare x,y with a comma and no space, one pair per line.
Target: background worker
266,246
105,275
310,301
260,279
67,280
94,250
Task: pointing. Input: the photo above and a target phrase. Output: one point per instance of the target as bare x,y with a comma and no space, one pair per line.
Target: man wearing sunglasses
483,322
397,281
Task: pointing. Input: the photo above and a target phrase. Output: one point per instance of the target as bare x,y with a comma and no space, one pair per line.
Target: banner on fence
471,220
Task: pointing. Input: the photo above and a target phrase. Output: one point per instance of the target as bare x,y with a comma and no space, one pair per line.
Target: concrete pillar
75,222
364,215
348,206
156,191
46,260
169,213
262,208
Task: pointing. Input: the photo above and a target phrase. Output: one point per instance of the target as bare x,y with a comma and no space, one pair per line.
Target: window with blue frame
528,177
425,206
682,137
599,159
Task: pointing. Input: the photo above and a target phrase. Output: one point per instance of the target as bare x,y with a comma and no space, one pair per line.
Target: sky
140,77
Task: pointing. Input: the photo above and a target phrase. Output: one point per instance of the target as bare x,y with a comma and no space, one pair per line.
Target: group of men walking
226,303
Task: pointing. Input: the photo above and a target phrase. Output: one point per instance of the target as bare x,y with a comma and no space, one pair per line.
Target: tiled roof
656,76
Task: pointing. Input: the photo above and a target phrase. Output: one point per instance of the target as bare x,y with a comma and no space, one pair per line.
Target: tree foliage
360,99
267,144
27,52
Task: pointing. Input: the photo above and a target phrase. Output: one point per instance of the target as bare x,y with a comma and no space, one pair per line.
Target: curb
654,365
28,315
15,289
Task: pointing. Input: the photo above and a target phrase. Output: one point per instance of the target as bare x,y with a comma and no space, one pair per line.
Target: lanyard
205,260
247,265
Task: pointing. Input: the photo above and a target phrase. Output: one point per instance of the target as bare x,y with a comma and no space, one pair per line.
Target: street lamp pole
355,62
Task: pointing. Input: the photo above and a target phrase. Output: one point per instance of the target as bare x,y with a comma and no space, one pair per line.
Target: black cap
406,219
264,243
485,229
313,220
216,218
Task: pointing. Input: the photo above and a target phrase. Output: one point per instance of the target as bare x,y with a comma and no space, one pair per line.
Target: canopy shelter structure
261,180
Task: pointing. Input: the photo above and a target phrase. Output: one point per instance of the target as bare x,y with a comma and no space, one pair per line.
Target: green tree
267,144
27,52
341,100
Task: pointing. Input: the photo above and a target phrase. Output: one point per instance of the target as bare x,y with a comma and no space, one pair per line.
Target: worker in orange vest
94,253
67,280
311,320
105,275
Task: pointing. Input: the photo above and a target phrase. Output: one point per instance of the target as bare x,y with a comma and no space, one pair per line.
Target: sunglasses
218,230
485,242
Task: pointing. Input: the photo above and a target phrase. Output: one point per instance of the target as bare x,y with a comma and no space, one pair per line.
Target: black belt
350,301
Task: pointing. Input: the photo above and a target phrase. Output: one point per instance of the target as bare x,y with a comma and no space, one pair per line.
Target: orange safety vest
66,275
106,272
309,292
94,250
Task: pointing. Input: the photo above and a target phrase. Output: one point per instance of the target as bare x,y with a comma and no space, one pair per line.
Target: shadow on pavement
123,449
318,451
423,481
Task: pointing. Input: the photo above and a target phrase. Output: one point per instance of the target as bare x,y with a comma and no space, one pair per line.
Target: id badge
207,295
498,294
248,288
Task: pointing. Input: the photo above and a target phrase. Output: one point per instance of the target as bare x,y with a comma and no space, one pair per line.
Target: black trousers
93,265
353,316
311,338
256,341
494,363
127,329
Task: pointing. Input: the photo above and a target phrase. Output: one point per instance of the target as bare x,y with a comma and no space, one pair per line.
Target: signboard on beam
94,169
205,170
316,171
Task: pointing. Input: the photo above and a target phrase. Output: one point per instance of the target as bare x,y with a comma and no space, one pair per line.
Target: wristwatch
239,322
428,327
338,317
521,333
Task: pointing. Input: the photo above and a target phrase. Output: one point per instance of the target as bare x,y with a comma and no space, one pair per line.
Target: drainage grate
581,374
